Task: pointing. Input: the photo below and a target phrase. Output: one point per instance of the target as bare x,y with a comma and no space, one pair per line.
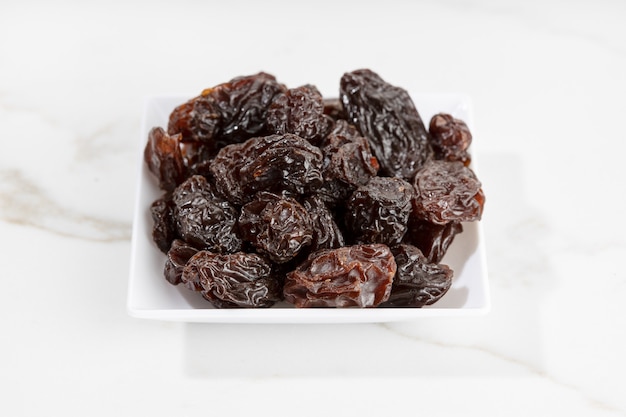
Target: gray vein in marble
23,203
593,402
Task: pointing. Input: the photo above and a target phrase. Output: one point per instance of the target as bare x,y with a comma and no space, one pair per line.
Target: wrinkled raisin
417,281
387,117
233,280
378,212
272,163
227,113
348,276
326,233
299,111
278,227
163,156
204,219
447,192
178,255
450,138
163,227
432,239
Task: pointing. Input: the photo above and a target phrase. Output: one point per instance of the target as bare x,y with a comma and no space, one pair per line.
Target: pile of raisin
274,194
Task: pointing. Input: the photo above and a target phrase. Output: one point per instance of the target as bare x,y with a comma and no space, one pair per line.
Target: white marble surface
548,83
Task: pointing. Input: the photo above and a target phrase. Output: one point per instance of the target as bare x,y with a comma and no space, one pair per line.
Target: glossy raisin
278,227
164,159
205,219
274,163
180,252
450,138
447,192
387,117
299,111
233,280
417,282
379,211
358,276
163,224
432,239
326,233
231,112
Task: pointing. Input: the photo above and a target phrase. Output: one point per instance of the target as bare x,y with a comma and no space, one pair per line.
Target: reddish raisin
450,138
227,113
163,156
299,111
180,252
448,192
348,276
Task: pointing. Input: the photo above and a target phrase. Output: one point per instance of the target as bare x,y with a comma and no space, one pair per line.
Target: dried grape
233,280
417,282
450,138
432,239
387,117
278,227
447,192
203,218
348,276
164,159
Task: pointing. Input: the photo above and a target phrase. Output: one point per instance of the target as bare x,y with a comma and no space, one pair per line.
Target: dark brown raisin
180,252
417,281
274,163
233,280
387,117
450,138
299,111
334,109
204,219
326,233
163,226
348,276
278,227
432,239
448,192
379,211
163,156
227,113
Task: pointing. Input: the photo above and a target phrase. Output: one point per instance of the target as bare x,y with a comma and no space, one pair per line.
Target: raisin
231,112
163,156
334,109
163,227
326,233
432,239
387,117
278,227
204,219
274,163
348,276
233,280
379,211
299,111
417,281
448,192
450,138
180,252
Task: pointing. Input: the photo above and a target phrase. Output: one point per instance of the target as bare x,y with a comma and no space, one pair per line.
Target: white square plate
150,296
